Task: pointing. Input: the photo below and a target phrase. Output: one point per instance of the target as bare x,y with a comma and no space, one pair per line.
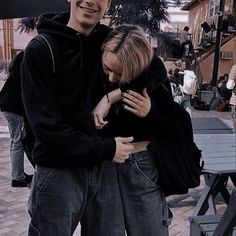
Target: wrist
114,96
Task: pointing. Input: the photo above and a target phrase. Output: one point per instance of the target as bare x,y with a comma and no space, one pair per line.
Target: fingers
123,149
133,110
132,97
126,139
99,121
138,104
120,160
145,94
132,102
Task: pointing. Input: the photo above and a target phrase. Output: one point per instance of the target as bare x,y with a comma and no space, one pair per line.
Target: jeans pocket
43,177
147,169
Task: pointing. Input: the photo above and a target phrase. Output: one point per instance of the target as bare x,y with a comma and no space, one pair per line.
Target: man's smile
88,9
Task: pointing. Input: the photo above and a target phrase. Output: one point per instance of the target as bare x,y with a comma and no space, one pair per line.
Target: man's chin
87,26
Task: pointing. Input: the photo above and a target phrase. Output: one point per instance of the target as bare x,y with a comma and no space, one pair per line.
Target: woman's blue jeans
144,205
15,126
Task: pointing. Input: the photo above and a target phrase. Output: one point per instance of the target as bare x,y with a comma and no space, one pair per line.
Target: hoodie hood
55,24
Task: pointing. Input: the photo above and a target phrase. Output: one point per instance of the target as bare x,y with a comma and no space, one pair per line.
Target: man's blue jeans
59,197
15,126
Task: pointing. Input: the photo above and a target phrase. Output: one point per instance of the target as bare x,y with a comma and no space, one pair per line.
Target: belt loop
168,221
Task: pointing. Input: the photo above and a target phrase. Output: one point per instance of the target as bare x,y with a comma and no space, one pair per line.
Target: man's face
86,14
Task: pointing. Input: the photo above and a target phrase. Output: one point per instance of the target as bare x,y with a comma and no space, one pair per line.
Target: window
214,7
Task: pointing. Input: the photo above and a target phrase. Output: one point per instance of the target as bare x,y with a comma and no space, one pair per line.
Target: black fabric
11,98
179,162
122,122
10,95
167,126
59,110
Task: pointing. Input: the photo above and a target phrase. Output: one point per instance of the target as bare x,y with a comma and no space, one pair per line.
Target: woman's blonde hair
130,44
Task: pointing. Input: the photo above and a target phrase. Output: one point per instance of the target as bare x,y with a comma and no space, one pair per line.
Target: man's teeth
88,10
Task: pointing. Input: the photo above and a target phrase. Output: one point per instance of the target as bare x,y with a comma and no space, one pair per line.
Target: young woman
140,107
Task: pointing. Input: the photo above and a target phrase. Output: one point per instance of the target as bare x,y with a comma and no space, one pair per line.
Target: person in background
184,40
141,108
12,110
68,154
221,85
231,85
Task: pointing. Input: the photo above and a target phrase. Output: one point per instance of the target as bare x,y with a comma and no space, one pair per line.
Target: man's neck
83,29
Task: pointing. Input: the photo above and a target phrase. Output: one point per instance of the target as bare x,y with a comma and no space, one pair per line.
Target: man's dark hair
186,28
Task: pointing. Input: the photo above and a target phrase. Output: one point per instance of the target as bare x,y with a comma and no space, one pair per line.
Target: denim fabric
59,197
185,103
233,115
15,126
104,215
145,207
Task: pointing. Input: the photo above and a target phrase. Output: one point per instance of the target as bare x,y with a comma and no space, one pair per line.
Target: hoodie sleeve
60,138
163,116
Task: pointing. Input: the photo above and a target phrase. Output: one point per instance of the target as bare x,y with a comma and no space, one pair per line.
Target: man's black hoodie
59,109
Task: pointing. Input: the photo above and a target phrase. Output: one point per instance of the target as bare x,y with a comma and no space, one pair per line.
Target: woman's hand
136,103
103,107
100,112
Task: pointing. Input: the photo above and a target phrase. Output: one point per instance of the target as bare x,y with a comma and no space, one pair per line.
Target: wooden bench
218,151
216,225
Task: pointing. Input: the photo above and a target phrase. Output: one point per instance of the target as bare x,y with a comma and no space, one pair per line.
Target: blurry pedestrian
231,85
12,109
144,94
186,88
184,41
67,151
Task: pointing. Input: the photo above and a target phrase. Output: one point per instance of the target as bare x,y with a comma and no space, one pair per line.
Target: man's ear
108,5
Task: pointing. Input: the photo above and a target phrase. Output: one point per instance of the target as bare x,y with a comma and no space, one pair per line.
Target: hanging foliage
147,14
27,24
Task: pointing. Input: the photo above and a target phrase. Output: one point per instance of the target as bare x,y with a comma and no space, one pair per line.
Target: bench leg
215,184
211,205
233,178
202,204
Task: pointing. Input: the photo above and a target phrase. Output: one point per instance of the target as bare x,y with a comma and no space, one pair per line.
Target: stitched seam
50,48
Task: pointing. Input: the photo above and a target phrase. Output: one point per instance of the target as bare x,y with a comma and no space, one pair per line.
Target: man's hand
136,103
123,149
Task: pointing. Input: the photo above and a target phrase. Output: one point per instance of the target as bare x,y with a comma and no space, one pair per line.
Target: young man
67,151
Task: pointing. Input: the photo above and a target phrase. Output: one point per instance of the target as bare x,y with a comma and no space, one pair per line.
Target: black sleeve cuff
109,149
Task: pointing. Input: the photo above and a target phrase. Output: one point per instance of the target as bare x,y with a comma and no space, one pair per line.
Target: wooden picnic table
216,225
219,156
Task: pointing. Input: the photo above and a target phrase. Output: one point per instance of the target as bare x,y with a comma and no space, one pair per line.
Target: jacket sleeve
163,116
232,73
45,118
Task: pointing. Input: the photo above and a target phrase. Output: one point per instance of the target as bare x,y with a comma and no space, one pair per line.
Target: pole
218,43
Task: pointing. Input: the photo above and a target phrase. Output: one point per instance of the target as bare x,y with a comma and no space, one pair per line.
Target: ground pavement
13,201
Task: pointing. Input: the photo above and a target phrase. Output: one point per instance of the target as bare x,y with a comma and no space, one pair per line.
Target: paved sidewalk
13,213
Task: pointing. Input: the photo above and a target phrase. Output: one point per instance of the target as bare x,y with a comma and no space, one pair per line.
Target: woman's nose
112,77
